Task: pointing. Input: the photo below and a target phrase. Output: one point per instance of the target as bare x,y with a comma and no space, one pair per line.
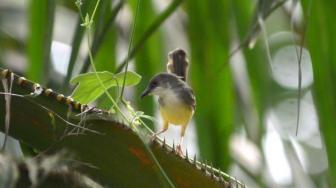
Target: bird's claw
152,138
179,150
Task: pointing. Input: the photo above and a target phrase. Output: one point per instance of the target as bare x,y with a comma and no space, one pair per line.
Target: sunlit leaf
89,88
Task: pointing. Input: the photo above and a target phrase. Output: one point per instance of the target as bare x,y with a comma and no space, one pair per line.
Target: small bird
176,98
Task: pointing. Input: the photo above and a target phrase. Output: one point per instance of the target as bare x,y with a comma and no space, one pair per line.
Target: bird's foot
179,150
156,134
153,137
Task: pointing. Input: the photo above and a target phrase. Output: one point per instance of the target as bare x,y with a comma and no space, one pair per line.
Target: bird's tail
178,63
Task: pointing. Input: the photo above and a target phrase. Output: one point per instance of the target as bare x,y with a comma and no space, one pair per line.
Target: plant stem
97,42
94,11
130,47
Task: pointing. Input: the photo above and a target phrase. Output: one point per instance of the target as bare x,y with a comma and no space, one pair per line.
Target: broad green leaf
89,88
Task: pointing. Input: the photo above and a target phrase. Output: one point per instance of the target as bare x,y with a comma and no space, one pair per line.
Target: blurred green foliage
150,58
39,39
210,47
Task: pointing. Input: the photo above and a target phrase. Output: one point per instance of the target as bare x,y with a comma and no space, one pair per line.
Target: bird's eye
154,84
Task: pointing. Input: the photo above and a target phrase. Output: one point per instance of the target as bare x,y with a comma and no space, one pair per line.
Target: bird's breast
174,111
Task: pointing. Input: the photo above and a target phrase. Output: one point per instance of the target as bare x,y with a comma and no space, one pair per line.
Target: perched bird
176,98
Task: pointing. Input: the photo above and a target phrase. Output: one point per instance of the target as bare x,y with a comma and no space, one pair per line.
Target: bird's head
160,84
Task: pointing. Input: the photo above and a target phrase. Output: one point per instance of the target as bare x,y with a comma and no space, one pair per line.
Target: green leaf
89,88
321,42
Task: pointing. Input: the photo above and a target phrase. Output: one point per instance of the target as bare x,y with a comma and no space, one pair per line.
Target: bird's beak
145,93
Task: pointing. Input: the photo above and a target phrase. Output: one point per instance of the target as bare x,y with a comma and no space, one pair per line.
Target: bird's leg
165,127
179,146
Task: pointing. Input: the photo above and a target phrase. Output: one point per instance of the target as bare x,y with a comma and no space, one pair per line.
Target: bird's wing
188,97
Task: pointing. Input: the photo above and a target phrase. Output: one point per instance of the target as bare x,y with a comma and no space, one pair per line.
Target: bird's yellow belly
177,115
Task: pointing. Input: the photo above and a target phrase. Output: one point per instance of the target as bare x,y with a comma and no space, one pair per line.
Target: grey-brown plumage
178,63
